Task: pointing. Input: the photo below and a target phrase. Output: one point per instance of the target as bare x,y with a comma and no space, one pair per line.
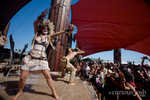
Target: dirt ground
36,88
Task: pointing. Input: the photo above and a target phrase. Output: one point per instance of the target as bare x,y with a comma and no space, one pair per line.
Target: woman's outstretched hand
70,28
43,14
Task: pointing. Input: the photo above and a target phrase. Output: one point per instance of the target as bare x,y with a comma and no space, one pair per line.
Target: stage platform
36,88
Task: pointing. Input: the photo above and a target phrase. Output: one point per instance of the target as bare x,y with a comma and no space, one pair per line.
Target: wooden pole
59,15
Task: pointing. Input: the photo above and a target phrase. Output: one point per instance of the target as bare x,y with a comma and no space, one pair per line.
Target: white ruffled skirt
31,64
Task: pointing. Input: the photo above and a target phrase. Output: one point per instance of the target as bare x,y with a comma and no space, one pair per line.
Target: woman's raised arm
43,15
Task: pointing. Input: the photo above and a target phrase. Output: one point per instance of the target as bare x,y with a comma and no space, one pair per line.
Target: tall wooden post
117,56
59,15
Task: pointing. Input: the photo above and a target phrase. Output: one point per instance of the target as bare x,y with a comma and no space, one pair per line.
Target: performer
37,58
65,63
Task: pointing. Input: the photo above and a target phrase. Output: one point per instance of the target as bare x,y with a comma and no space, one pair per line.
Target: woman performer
37,58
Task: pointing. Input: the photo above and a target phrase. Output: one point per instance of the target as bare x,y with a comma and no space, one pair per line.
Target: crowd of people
117,81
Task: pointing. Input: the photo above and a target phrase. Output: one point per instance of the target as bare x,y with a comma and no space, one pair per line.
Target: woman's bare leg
23,78
49,82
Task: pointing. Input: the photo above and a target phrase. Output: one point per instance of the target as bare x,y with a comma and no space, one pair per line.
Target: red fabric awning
106,25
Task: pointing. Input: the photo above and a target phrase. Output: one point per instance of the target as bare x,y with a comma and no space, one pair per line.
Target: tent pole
117,56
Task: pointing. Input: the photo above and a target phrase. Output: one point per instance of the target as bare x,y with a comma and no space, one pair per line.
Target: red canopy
110,24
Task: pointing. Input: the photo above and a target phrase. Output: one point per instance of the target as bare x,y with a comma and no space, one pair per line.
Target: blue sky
22,29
